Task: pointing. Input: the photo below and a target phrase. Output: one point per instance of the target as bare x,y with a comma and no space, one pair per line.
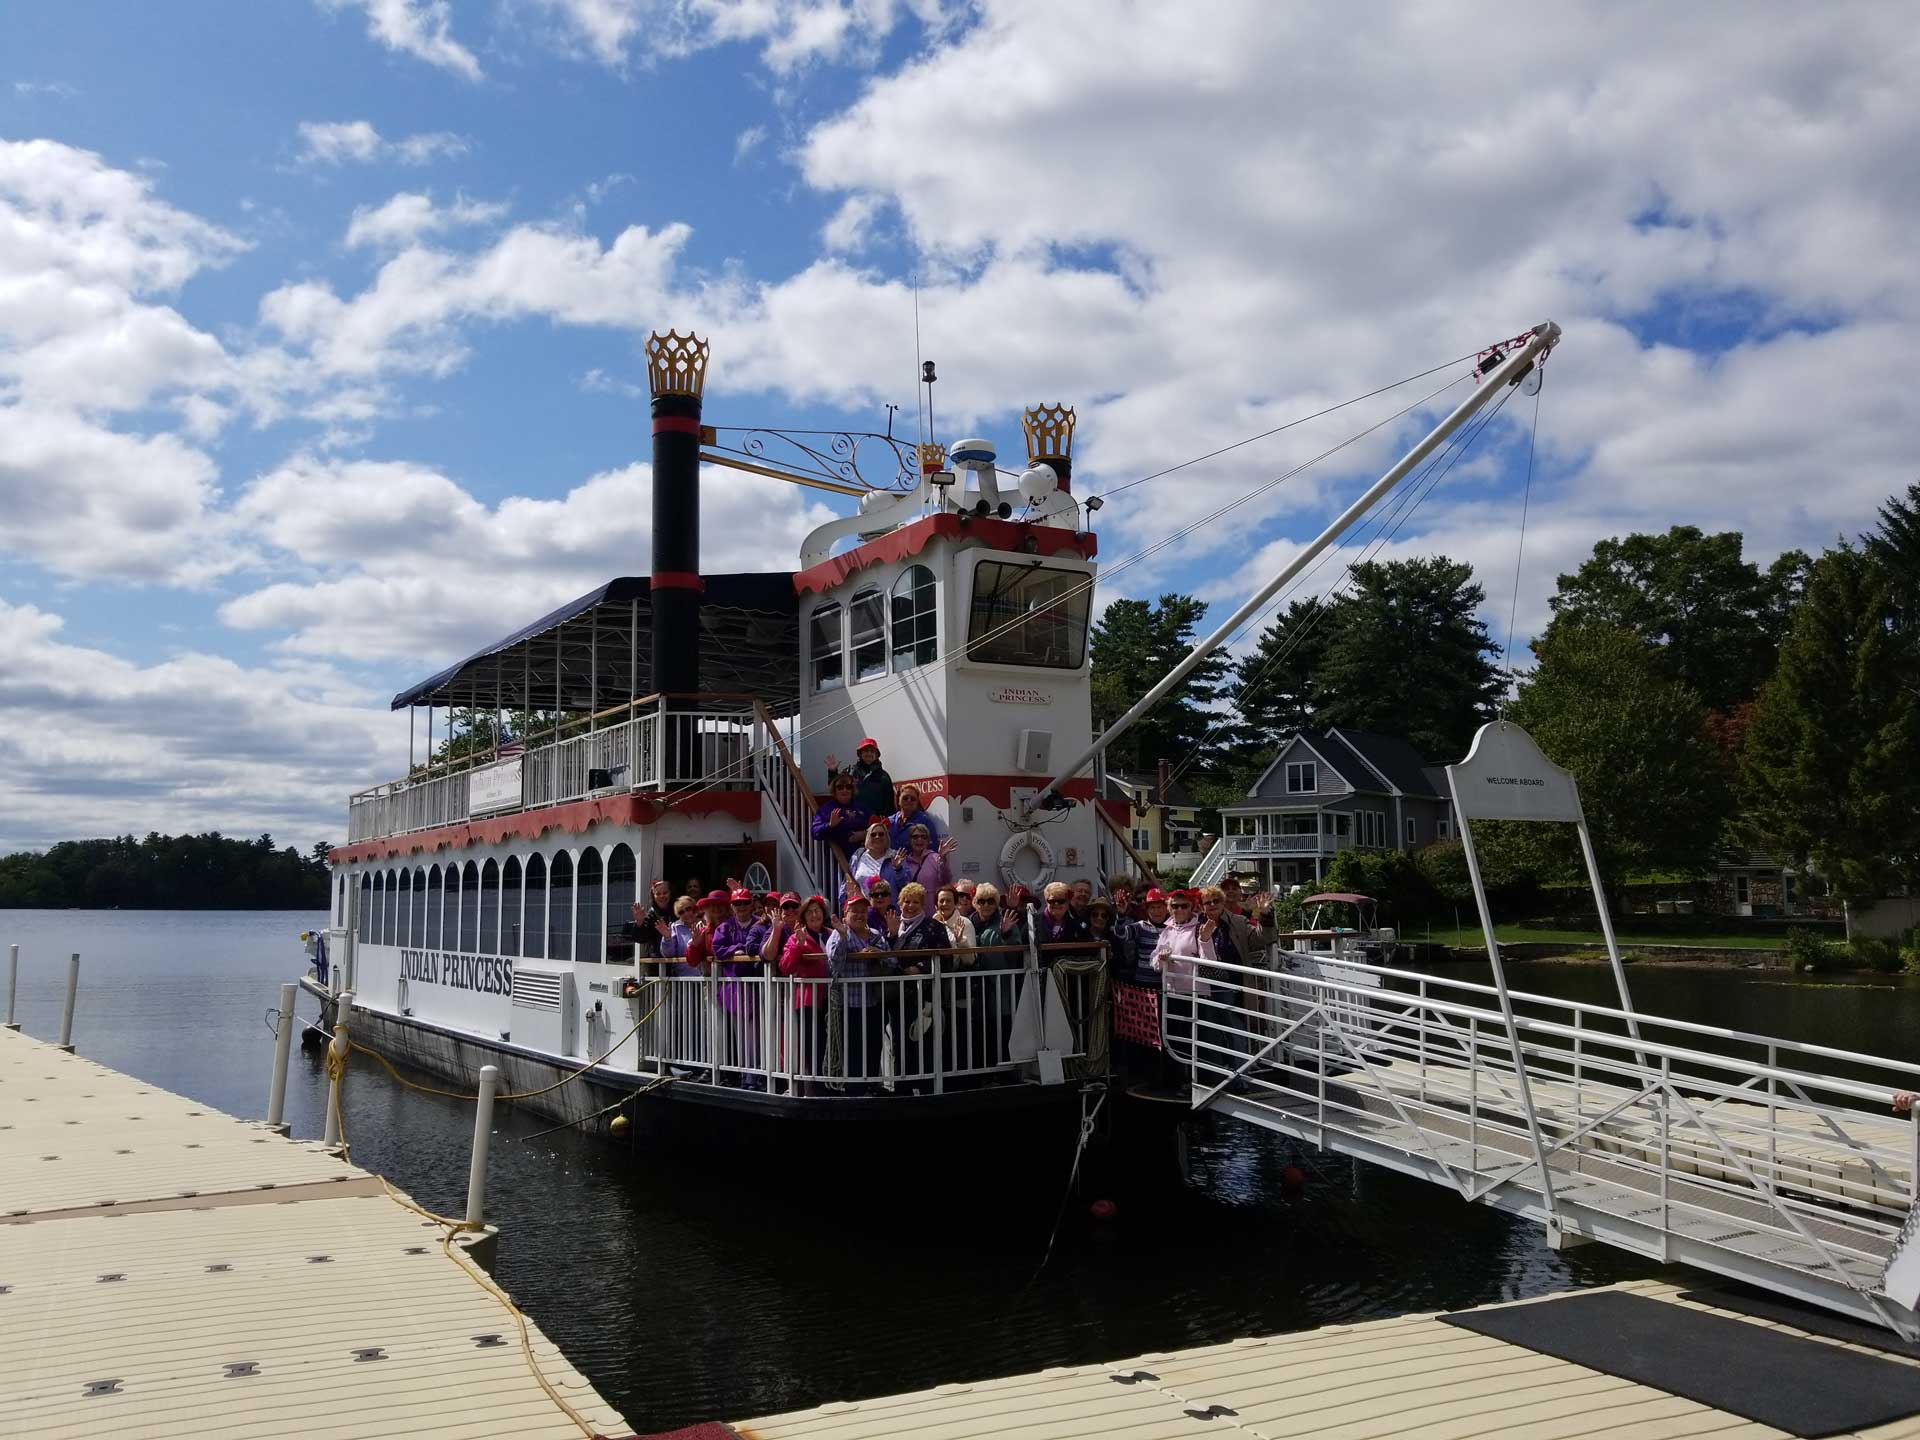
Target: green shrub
1868,952
1806,951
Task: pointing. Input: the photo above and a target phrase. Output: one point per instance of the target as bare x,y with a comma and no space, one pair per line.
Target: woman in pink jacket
1183,940
805,958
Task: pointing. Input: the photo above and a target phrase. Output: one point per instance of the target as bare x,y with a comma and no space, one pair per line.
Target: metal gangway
1789,1166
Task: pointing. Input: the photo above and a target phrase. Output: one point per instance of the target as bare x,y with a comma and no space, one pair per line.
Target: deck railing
659,743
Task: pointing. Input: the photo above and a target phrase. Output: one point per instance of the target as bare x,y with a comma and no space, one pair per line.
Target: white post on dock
282,1047
13,983
482,1136
337,1055
66,1012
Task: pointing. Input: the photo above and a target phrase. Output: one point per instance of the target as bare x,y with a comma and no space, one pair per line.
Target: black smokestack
676,375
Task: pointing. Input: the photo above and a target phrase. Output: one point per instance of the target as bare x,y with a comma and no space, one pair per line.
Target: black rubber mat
1794,1384
1746,1300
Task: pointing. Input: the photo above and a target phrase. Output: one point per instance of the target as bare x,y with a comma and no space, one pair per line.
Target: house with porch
1328,791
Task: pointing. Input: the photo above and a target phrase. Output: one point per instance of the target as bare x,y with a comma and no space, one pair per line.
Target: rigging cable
1395,516
1520,549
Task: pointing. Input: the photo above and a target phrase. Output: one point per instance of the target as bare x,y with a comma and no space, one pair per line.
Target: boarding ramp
1762,1159
1784,1164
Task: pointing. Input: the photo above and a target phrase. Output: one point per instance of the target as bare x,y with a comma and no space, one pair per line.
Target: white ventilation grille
536,989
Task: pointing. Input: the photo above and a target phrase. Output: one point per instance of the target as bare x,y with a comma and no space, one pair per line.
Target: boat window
393,908
534,927
364,927
867,620
511,922
829,665
379,908
1303,777
623,881
417,930
404,932
915,641
588,907
468,941
436,897
1028,615
487,940
560,908
340,901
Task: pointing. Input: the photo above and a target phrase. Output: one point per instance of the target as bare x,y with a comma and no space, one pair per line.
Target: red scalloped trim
575,817
912,539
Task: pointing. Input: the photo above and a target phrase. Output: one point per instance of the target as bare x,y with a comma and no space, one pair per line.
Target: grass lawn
1520,934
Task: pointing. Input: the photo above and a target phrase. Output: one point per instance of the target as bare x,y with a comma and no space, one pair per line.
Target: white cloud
357,142
100,745
53,89
420,28
410,215
852,223
791,34
748,141
400,562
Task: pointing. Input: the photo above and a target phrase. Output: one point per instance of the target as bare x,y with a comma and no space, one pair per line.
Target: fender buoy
1010,852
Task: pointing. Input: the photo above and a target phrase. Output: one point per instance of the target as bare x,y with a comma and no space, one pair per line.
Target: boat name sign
494,787
487,974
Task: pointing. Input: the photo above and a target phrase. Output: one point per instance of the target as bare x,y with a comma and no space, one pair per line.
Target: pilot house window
914,639
829,664
1028,615
867,619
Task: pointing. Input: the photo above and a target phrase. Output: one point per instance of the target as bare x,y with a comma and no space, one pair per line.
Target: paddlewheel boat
676,726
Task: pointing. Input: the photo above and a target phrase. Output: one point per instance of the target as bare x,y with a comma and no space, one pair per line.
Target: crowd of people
901,913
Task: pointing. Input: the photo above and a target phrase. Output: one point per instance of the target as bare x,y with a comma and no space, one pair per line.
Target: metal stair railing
792,802
1770,1160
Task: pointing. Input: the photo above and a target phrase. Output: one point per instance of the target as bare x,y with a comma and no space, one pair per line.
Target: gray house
1328,791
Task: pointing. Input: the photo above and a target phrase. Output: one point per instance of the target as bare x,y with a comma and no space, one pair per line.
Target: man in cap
858,953
737,949
872,786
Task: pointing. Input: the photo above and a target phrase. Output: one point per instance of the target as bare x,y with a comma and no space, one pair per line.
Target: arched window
452,907
560,908
915,637
587,906
623,889
363,925
867,624
489,938
404,931
824,645
510,921
470,908
379,927
340,901
418,929
535,925
436,900
392,927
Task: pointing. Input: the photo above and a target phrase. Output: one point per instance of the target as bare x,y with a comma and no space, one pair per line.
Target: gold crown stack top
676,364
1049,431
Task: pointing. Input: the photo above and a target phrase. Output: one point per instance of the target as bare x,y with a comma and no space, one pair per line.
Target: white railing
667,743
793,804
1769,1160
925,1033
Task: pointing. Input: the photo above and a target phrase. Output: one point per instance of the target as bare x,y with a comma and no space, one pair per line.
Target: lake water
706,1292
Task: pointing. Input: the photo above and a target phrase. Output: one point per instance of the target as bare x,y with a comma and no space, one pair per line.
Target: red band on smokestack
678,580
677,424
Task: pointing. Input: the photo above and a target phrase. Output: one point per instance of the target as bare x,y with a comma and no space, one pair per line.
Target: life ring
1010,852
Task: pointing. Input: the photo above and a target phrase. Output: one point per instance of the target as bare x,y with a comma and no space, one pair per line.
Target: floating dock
169,1270
1442,1377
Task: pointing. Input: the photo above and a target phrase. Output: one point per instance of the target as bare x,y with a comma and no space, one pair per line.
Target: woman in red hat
839,821
804,958
872,786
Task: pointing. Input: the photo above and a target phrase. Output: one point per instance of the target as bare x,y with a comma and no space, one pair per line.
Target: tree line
166,872
1705,703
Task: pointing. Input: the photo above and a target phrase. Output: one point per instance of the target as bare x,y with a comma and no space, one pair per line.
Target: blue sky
320,321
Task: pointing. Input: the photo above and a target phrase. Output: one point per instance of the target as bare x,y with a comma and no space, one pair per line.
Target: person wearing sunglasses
1059,925
1238,940
1181,943
995,925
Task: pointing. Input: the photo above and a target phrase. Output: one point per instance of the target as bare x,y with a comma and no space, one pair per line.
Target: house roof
1178,796
1396,761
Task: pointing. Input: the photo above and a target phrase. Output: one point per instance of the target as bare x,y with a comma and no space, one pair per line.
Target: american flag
511,745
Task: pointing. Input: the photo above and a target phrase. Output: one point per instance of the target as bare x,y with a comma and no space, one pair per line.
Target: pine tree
1408,656
1828,767
1134,645
1894,545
